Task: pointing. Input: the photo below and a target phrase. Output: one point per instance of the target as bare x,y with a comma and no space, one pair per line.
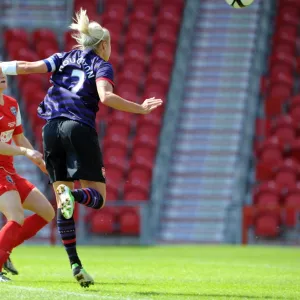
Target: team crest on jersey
103,172
9,179
13,110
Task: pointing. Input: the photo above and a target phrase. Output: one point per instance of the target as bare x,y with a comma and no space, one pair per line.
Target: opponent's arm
10,150
23,67
107,97
21,141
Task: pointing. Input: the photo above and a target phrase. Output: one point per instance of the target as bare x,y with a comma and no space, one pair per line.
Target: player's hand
150,104
42,167
36,157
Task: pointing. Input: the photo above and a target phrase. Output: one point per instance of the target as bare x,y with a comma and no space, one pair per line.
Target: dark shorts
72,151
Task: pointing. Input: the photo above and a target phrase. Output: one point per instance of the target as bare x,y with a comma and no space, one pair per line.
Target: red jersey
10,125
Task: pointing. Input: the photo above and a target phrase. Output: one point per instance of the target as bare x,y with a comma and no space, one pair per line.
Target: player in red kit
17,193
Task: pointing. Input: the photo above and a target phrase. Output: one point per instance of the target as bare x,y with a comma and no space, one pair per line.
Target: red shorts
14,182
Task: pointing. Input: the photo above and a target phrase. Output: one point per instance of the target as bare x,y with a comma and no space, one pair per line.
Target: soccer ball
239,3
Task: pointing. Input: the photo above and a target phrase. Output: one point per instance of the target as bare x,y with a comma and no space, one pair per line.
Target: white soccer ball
239,3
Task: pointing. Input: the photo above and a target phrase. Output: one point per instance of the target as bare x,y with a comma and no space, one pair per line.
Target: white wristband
9,68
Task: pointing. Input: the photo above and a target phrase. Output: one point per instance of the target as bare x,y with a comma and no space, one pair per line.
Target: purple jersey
74,92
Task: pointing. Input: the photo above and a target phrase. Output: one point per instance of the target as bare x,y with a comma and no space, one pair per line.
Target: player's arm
108,98
11,150
22,141
23,67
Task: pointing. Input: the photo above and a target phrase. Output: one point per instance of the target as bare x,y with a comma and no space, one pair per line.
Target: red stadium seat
165,32
111,195
295,150
285,174
143,158
46,48
103,113
283,128
138,33
163,52
170,14
138,180
116,136
288,15
44,34
287,49
13,49
121,118
135,51
133,73
130,223
115,175
159,72
267,226
27,55
109,3
145,140
267,195
154,89
143,14
150,119
32,93
128,91
16,35
292,199
136,196
287,34
262,126
271,151
102,222
116,12
38,79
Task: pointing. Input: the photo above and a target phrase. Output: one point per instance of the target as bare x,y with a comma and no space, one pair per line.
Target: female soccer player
80,79
16,193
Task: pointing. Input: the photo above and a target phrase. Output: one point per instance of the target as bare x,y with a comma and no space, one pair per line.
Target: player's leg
67,231
56,164
85,164
33,200
10,206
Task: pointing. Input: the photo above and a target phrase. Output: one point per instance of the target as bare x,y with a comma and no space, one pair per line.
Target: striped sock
67,231
88,197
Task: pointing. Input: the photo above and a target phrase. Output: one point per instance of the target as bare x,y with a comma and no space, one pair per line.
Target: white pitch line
84,295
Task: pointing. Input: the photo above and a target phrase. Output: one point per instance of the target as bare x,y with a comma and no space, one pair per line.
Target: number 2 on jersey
81,77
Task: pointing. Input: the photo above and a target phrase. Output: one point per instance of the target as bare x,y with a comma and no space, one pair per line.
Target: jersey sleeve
105,72
54,61
19,127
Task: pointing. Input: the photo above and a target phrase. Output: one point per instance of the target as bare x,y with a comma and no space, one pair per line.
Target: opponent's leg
44,213
10,206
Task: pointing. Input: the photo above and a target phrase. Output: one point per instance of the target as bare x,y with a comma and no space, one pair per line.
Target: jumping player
80,79
16,193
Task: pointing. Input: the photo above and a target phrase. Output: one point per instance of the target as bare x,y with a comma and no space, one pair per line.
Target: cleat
3,278
83,278
66,200
9,267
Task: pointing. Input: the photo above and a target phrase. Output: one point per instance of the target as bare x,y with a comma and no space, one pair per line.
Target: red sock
8,236
32,225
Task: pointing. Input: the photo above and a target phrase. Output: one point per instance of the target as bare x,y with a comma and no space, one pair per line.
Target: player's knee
48,213
16,216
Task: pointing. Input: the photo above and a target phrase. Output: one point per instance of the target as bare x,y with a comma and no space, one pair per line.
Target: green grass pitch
162,272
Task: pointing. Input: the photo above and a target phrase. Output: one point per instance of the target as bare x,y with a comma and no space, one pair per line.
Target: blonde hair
90,34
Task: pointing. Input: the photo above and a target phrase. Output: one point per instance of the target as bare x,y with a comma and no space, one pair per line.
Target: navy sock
67,231
88,197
